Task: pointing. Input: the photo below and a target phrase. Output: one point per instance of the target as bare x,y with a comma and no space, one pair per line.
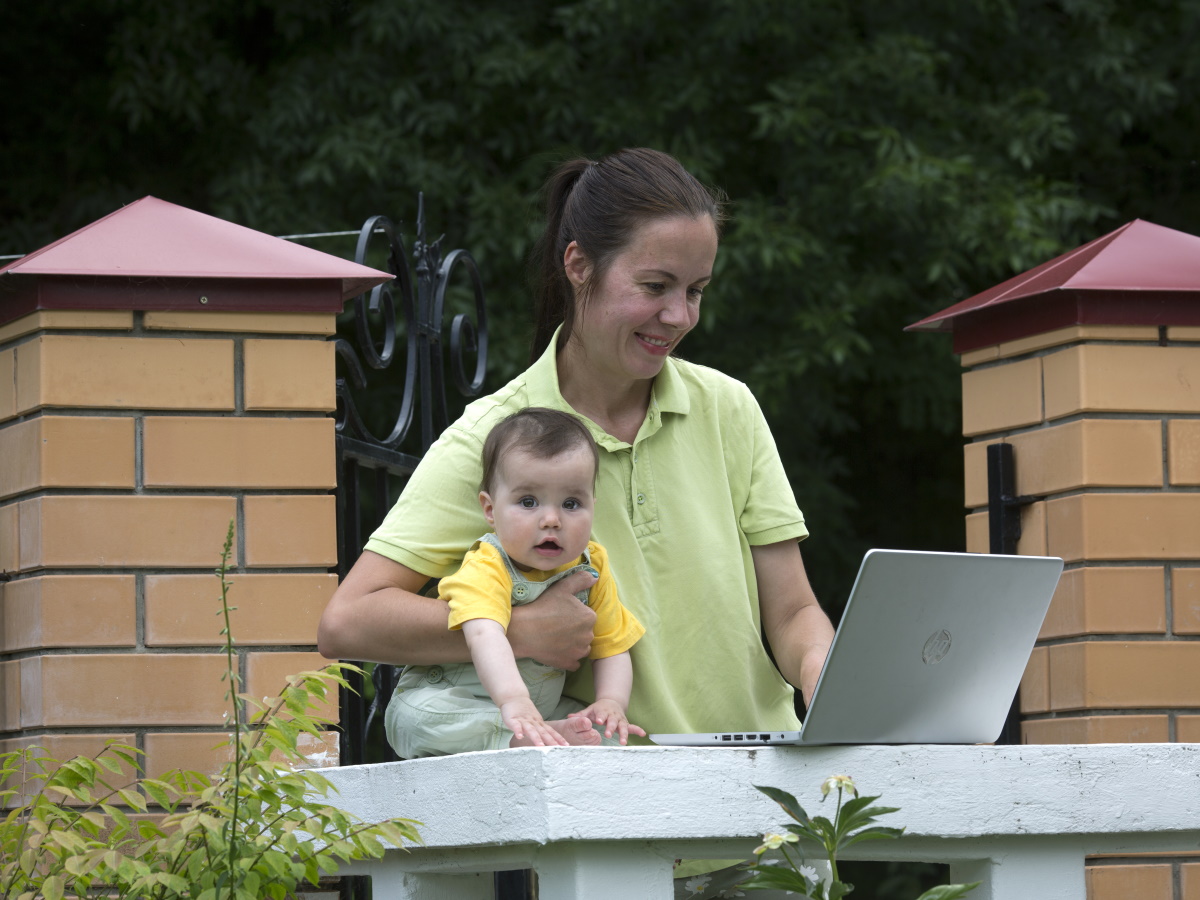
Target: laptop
930,650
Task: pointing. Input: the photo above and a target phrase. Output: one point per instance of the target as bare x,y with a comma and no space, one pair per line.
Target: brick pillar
1105,430
1089,366
129,439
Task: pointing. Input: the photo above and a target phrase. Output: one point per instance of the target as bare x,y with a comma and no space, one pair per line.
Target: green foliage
261,828
853,823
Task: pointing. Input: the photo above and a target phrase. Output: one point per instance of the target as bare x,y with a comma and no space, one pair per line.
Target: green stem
832,848
234,683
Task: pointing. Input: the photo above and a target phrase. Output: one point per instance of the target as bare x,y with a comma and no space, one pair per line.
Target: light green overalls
439,710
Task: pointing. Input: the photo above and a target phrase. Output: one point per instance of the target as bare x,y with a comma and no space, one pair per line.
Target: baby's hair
542,433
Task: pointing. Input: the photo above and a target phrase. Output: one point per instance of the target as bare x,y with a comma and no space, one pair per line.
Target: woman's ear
576,264
485,502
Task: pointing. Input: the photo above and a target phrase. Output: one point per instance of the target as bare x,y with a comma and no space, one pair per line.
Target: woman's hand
555,629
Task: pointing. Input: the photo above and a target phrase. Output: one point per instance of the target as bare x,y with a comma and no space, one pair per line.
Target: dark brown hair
600,205
542,433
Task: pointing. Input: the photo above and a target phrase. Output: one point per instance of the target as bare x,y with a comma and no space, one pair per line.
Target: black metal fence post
1004,531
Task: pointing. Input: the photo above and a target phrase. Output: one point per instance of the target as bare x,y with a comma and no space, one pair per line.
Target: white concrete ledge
993,809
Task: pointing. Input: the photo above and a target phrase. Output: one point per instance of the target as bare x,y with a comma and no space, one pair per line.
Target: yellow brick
244,322
170,531
291,531
1143,882
206,752
1183,333
64,319
267,674
125,373
66,451
1077,333
975,474
10,551
1187,730
1185,600
1189,873
1115,378
1119,675
271,609
10,695
122,689
1034,694
185,451
8,384
1088,453
1107,600
68,611
1183,451
1096,730
982,355
1124,526
289,375
977,540
53,749
1002,397
1032,541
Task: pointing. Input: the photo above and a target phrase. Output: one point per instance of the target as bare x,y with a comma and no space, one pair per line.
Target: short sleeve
438,517
770,513
480,589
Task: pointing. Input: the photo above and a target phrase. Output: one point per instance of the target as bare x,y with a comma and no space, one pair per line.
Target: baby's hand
522,718
611,715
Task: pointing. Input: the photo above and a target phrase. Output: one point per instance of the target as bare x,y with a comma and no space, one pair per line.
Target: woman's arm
797,628
377,615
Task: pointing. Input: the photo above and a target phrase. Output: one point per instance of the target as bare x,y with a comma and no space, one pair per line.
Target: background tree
883,160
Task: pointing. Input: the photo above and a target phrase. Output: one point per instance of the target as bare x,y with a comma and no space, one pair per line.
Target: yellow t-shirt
482,589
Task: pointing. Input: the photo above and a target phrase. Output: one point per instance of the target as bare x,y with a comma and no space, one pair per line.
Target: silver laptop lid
931,648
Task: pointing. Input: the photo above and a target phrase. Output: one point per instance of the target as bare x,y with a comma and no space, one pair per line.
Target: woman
692,502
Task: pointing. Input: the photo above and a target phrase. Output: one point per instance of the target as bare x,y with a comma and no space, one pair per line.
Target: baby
537,493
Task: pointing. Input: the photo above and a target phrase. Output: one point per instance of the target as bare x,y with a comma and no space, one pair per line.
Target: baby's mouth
549,545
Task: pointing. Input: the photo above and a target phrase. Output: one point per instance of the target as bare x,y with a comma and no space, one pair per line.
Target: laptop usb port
737,737
726,737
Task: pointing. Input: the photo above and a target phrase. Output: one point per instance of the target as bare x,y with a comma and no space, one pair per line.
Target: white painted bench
601,822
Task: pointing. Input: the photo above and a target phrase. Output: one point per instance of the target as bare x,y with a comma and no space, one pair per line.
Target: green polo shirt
678,512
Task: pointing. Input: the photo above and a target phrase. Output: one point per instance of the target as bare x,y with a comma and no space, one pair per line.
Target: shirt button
641,499
434,675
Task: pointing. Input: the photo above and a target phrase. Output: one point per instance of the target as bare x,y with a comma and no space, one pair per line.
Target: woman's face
647,300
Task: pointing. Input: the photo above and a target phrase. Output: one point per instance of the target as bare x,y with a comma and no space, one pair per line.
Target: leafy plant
259,829
852,823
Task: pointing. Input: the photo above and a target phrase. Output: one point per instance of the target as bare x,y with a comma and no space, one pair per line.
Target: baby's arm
614,680
497,667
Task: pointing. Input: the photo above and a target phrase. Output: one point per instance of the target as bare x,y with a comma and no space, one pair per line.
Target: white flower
773,841
697,884
838,783
810,873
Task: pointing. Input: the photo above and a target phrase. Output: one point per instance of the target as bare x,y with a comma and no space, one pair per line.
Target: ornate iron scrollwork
422,315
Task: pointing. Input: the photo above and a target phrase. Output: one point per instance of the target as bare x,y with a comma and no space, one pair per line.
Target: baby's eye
571,503
528,502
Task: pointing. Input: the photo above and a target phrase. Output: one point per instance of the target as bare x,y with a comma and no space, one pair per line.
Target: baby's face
542,509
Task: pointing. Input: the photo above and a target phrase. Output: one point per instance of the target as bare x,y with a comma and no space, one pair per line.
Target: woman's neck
619,407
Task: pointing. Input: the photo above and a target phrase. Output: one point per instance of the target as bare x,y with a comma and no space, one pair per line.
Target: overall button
519,590
434,675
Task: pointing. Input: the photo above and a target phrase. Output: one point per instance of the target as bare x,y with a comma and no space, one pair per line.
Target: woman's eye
528,502
655,287
695,293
